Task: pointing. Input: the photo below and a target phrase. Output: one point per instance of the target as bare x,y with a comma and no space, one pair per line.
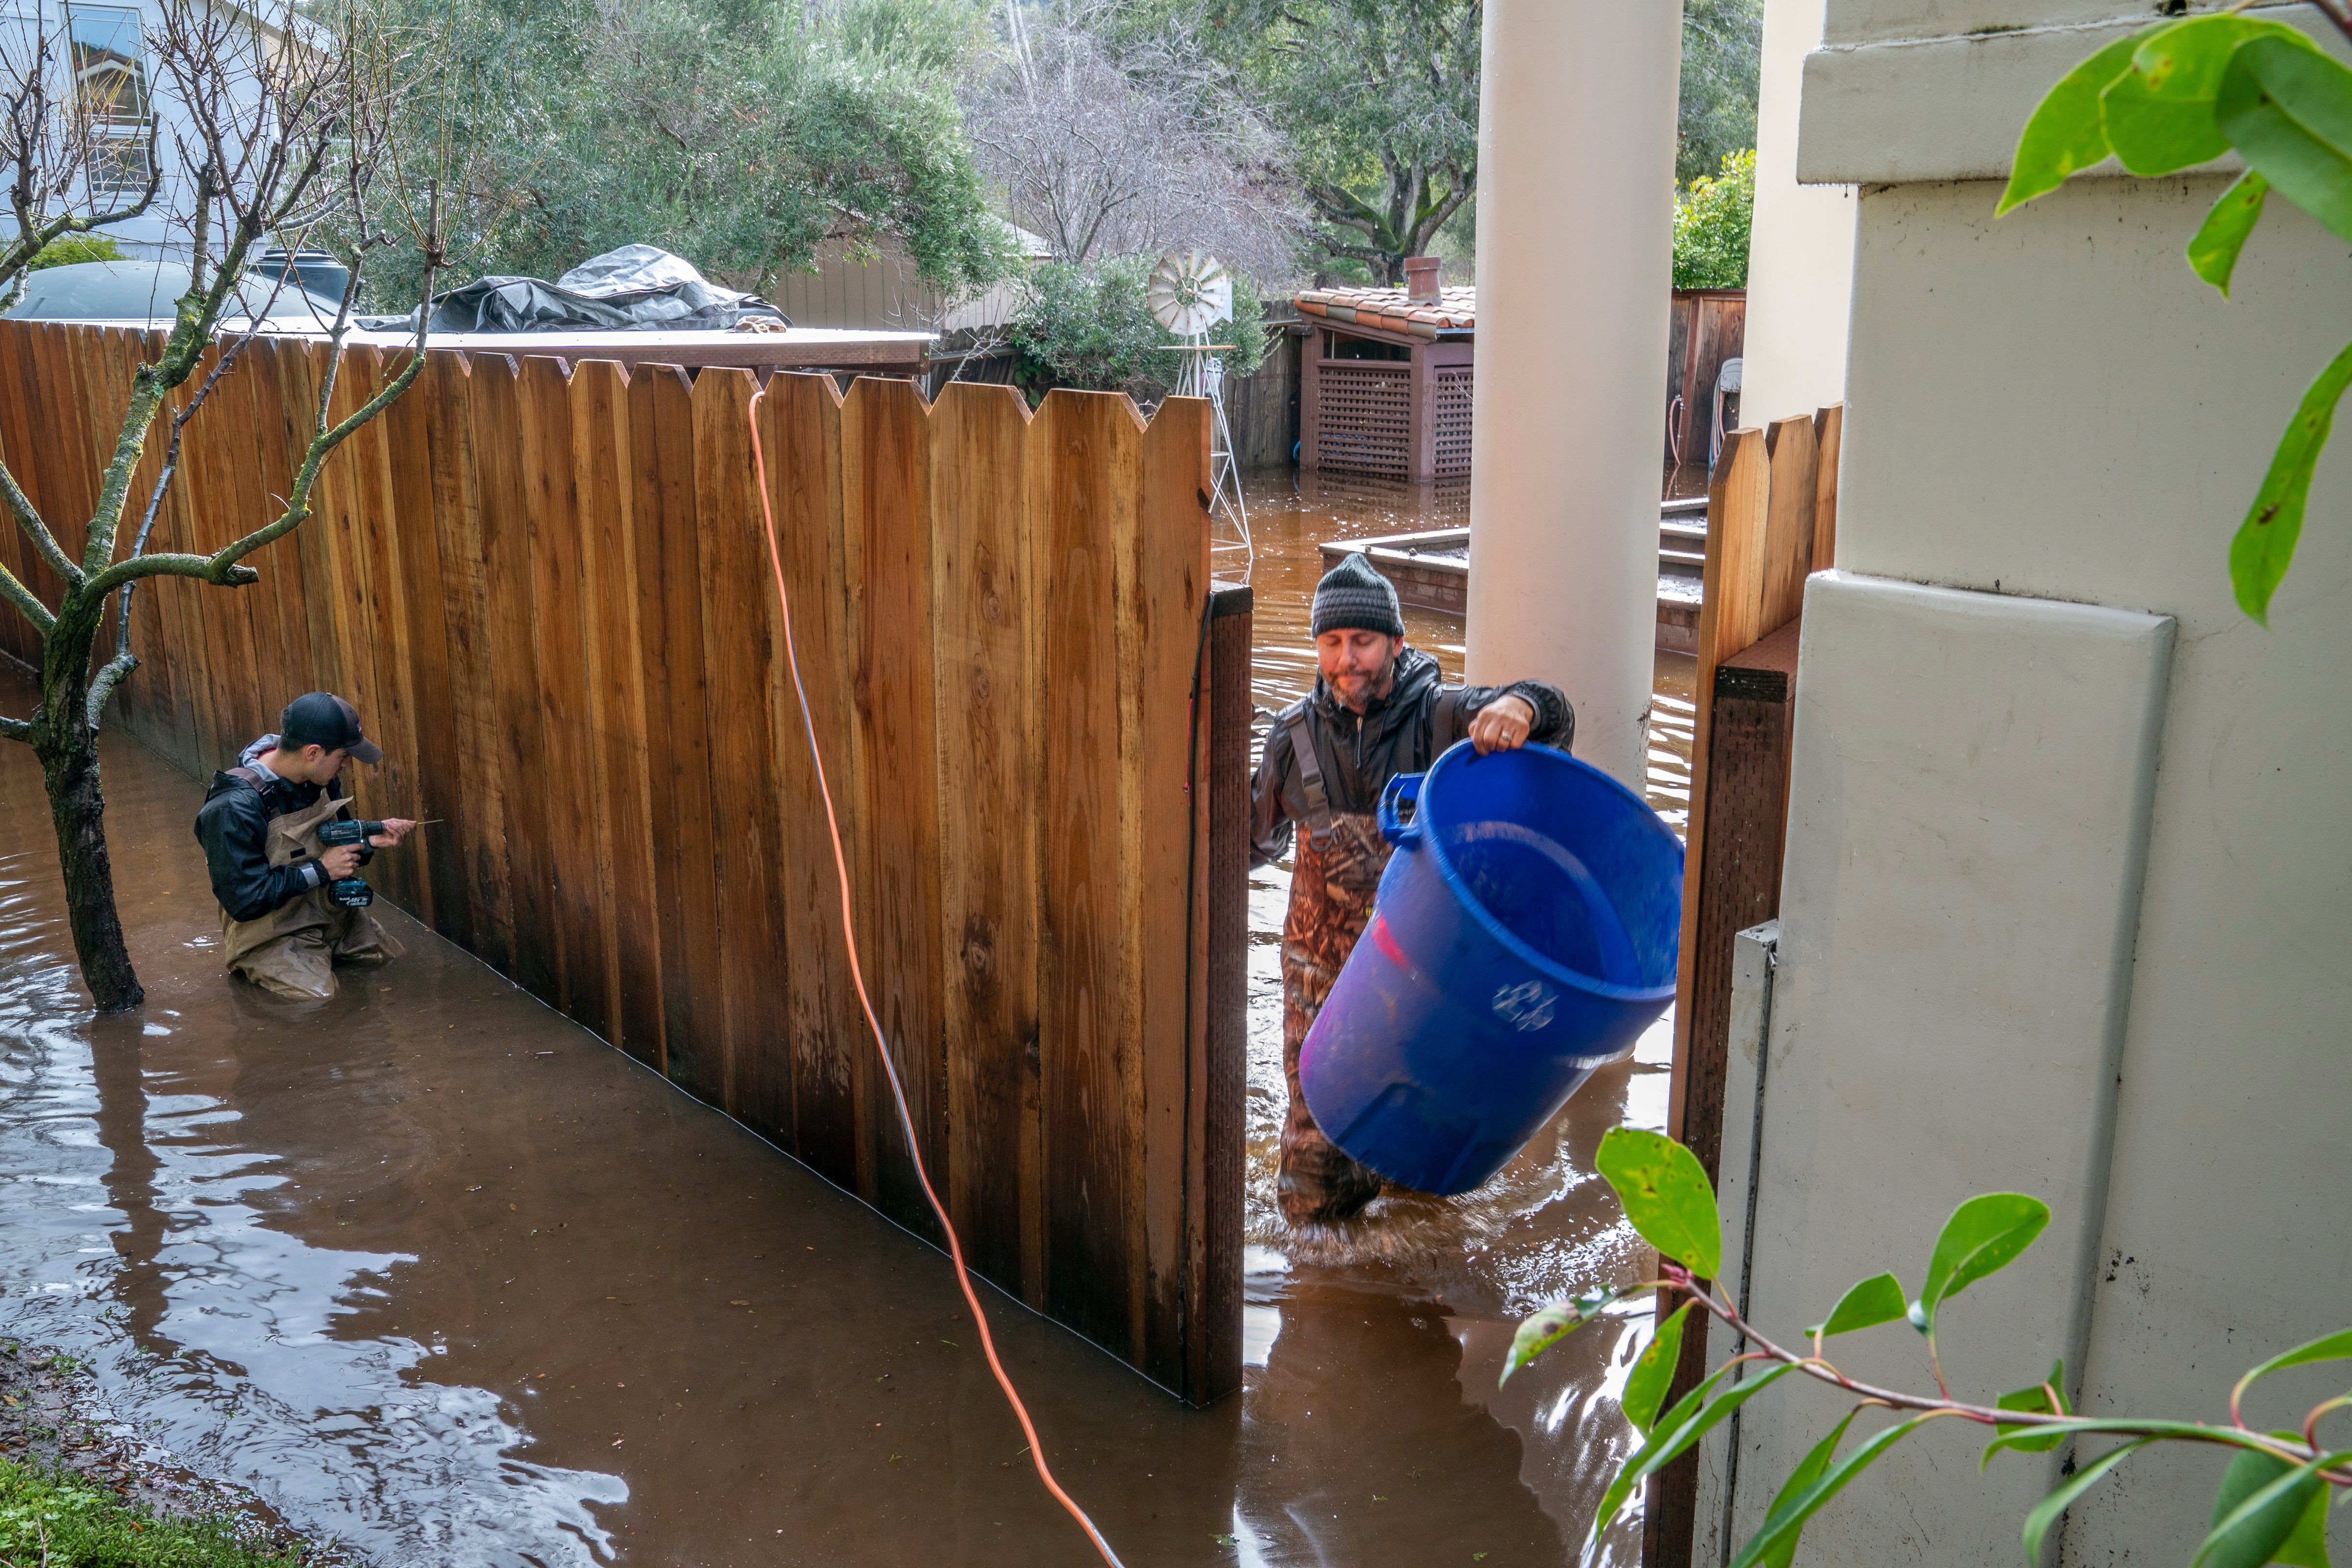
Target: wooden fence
547,591
1771,522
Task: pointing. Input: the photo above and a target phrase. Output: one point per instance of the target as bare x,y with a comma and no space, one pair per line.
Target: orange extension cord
897,1093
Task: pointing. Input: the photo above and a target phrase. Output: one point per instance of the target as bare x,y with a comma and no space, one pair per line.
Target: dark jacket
1399,733
233,825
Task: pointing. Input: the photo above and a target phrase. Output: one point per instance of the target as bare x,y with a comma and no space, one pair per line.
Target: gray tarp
635,288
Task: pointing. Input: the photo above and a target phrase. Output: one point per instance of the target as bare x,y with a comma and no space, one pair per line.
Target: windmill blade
1189,294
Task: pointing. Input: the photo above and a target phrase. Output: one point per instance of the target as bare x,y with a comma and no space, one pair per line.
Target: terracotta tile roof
1391,311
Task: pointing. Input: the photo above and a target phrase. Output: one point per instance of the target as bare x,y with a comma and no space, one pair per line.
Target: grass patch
49,1521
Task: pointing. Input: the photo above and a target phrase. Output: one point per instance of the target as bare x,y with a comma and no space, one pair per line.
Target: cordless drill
350,892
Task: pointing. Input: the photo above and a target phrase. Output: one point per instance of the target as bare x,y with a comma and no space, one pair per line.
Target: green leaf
2160,114
2045,1512
1878,1300
1646,1385
1790,1513
1666,1197
2065,131
1543,1330
1691,1418
1809,1469
2264,546
2307,1547
2262,1503
2288,111
2037,1399
1985,1234
2336,1346
2213,251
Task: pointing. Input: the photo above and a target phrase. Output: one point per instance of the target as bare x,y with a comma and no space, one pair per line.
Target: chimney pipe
1421,279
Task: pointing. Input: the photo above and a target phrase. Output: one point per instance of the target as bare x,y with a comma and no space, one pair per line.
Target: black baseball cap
323,718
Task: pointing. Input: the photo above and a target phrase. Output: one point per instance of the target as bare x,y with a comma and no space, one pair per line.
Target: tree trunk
68,747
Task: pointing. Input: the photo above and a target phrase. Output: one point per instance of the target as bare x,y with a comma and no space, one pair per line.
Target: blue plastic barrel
1525,933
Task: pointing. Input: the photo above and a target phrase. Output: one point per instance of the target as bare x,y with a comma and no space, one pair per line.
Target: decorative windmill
1189,294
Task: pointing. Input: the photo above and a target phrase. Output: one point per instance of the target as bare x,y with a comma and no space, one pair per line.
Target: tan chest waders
292,950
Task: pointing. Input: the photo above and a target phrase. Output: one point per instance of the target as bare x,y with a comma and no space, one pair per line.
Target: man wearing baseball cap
1377,710
259,827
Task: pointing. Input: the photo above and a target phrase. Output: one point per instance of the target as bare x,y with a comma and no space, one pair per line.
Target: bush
66,249
1711,224
1089,328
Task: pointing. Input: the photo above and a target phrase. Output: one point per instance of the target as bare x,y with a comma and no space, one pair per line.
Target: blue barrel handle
1402,787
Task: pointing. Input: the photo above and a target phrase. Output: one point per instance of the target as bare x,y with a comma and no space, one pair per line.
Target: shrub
66,249
1711,224
1089,328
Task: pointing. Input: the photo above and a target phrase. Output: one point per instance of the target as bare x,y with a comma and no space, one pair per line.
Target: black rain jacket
1360,752
233,825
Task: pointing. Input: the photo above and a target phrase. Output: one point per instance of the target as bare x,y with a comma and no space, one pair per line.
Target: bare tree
279,132
1108,148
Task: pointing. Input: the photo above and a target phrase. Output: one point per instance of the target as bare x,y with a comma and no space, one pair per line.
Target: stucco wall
2052,407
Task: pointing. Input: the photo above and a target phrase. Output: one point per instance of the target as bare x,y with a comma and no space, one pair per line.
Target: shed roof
1391,311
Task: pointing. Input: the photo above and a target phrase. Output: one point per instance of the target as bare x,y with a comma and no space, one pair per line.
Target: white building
2069,872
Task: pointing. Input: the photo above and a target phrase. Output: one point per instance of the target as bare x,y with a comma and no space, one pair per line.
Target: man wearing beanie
1377,710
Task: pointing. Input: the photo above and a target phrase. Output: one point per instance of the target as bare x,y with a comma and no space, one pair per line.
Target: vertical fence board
477,805
988,832
503,510
1163,590
566,815
435,865
601,455
800,423
887,513
302,372
390,788
739,651
669,614
1220,1071
1789,523
1828,439
1084,458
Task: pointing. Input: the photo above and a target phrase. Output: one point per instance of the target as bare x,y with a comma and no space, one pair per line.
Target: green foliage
1089,328
1712,220
2273,1501
2180,93
740,134
69,248
1723,44
62,1521
1666,1196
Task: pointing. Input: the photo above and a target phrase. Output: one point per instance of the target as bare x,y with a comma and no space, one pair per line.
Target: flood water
440,1275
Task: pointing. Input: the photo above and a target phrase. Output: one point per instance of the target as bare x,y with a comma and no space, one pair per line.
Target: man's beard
1351,689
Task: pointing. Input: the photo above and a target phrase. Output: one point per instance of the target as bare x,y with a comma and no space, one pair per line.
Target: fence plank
1221,1034
1162,591
477,805
600,449
503,510
737,642
987,830
434,857
669,617
1829,440
886,506
800,424
566,817
390,788
1085,460
1789,525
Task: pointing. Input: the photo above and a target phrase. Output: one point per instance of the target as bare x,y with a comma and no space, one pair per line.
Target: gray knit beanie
1353,596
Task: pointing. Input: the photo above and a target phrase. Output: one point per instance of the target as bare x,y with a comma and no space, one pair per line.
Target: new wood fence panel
669,618
1788,523
549,594
1084,463
887,473
561,818
1829,440
1163,583
739,649
987,842
800,423
602,449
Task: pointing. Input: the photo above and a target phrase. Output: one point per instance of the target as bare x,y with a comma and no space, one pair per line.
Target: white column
1800,250
1576,164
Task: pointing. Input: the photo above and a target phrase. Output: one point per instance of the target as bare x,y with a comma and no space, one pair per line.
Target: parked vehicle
144,290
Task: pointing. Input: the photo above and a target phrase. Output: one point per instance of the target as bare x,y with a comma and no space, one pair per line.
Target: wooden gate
546,589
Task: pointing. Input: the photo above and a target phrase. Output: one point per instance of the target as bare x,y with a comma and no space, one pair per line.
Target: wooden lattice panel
1365,419
1450,422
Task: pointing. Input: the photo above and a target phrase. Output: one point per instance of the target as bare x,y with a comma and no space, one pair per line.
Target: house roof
1389,311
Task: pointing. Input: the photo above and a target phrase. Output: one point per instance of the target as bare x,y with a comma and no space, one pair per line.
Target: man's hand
1502,725
342,860
396,828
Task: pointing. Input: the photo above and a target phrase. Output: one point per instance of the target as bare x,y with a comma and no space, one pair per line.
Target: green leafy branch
2272,1505
2180,93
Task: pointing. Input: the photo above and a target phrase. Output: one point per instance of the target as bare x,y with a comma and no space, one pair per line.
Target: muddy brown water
440,1275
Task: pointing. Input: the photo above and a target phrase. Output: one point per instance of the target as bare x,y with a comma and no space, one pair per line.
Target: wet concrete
438,1274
